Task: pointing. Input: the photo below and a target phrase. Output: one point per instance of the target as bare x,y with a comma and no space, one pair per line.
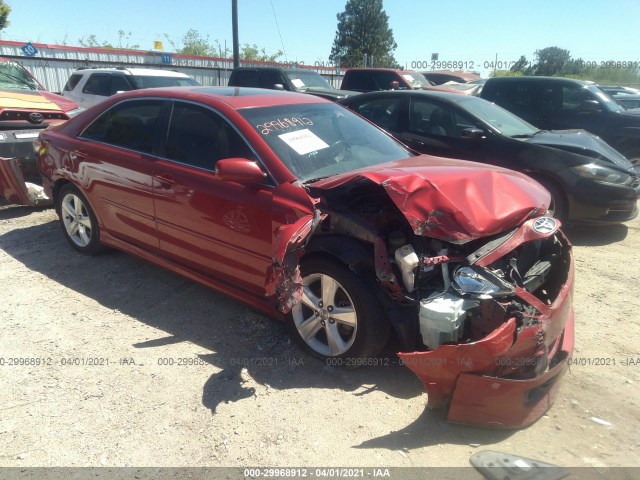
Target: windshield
153,81
499,118
320,140
304,80
415,79
14,76
608,102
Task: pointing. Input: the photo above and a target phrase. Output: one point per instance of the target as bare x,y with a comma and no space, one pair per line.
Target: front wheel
339,316
78,222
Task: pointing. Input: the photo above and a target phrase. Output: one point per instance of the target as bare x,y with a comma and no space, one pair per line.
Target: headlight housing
602,174
480,283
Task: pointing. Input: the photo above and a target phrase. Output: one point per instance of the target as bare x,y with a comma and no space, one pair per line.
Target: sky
470,31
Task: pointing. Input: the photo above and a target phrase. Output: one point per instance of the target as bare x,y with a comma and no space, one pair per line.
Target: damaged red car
311,214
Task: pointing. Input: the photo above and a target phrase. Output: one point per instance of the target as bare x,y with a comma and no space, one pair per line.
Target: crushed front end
496,322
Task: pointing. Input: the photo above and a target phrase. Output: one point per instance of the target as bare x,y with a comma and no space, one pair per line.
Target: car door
116,152
218,228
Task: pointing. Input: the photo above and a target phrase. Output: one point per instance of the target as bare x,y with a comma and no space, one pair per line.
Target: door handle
165,181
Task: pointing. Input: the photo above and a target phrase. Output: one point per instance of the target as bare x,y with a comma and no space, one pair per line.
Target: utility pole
234,21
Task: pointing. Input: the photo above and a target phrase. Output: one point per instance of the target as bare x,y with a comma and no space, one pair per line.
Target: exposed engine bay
460,298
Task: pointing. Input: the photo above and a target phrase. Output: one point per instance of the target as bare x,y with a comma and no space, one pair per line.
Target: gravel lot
169,387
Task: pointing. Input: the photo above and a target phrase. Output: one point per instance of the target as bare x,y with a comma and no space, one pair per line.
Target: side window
361,81
383,112
384,79
132,125
269,78
573,96
98,84
200,137
430,118
72,82
119,84
550,97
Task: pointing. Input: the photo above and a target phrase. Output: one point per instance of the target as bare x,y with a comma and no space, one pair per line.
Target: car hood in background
452,200
37,100
582,143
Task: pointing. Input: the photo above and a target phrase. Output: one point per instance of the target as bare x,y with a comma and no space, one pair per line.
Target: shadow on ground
240,337
596,236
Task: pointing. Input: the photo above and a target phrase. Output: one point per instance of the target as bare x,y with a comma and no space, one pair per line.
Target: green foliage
5,10
557,62
92,41
363,28
505,73
194,43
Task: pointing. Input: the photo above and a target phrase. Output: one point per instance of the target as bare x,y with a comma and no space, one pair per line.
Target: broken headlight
480,283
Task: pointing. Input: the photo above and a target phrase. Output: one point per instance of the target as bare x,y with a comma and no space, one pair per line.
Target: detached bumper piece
14,189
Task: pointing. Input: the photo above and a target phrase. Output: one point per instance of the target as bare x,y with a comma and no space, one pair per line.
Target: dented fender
15,190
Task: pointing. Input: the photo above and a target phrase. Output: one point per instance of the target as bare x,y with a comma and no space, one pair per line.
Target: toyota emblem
545,225
36,118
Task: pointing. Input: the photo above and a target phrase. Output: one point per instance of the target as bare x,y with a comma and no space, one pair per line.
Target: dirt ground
130,365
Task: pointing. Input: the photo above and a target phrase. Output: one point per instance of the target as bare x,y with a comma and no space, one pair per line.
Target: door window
200,137
383,112
132,125
430,118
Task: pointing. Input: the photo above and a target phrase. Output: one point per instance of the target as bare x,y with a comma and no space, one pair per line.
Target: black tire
559,207
78,222
360,342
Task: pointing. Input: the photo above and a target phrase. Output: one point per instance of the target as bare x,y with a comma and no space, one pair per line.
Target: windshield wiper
21,81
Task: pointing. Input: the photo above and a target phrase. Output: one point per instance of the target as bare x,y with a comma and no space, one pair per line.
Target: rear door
218,228
114,158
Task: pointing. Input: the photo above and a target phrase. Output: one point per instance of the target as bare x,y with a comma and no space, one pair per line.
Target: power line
279,34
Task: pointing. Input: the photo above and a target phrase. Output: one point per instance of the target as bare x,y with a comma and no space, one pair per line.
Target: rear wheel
339,316
78,222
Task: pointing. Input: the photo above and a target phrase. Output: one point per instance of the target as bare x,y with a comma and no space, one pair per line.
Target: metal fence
52,65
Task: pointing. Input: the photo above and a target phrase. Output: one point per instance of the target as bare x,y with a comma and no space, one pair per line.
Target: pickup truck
290,79
26,109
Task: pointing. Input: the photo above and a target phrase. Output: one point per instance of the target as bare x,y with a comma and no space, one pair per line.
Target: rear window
153,81
72,82
244,78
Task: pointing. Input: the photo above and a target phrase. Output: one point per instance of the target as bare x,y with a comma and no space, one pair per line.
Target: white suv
92,85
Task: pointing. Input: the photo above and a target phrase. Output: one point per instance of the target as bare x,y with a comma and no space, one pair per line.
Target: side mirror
395,85
590,106
472,133
239,170
278,86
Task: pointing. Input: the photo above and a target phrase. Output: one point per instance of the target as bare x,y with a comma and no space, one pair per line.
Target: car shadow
245,344
596,236
9,211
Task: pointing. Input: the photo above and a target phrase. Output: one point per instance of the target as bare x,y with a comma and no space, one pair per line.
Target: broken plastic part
407,261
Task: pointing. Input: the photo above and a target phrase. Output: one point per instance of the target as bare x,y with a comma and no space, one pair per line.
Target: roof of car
136,71
453,96
530,78
235,97
381,69
277,69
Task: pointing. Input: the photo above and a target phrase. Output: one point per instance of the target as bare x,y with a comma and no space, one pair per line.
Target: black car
561,103
290,79
589,181
625,96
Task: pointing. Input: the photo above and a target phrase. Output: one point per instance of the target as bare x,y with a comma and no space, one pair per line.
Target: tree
195,44
363,28
92,41
552,61
252,52
5,10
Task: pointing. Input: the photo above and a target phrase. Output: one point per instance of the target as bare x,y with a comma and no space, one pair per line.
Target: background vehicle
625,96
92,85
553,103
307,212
26,109
438,77
375,79
588,180
292,80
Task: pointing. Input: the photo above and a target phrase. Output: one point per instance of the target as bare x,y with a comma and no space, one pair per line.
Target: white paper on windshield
297,82
408,78
303,141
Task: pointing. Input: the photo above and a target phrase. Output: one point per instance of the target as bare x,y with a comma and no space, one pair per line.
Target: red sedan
309,213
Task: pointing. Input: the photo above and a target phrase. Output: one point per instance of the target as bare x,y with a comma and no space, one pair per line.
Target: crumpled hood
453,200
37,100
581,140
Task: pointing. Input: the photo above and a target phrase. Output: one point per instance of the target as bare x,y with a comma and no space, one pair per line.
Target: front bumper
509,378
594,203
